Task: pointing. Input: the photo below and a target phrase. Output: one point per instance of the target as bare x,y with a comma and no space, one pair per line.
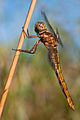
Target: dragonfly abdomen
54,59
64,88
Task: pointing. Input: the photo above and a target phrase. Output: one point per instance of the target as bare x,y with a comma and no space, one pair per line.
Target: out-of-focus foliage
35,93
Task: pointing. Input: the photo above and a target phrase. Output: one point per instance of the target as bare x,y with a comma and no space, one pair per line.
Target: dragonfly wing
46,19
57,37
54,60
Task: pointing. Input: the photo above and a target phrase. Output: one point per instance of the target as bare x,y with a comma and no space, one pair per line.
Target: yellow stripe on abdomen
64,88
54,59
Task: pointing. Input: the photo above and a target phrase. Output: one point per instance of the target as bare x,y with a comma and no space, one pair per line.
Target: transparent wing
46,19
57,36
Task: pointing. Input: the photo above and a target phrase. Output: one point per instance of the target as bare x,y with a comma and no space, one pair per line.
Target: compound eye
40,25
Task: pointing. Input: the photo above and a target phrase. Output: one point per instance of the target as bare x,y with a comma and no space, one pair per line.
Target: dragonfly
51,41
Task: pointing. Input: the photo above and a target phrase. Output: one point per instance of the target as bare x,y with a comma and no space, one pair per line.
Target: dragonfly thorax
40,27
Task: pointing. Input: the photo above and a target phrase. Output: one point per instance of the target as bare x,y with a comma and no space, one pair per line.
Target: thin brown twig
15,59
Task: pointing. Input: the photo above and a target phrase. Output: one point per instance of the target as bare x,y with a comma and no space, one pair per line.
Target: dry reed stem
15,59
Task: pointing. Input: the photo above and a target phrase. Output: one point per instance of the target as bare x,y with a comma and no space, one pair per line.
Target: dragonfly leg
27,35
32,51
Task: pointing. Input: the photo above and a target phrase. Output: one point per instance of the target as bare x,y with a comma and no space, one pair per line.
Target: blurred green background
35,93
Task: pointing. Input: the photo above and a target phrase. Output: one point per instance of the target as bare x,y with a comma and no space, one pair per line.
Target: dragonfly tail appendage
54,59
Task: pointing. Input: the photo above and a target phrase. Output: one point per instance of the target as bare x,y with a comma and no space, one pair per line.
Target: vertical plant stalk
16,56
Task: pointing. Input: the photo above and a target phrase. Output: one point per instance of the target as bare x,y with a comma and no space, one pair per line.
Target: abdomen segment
54,59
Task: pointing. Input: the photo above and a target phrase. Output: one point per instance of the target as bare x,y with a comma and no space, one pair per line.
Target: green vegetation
35,93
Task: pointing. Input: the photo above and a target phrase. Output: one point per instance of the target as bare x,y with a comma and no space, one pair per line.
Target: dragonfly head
39,27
